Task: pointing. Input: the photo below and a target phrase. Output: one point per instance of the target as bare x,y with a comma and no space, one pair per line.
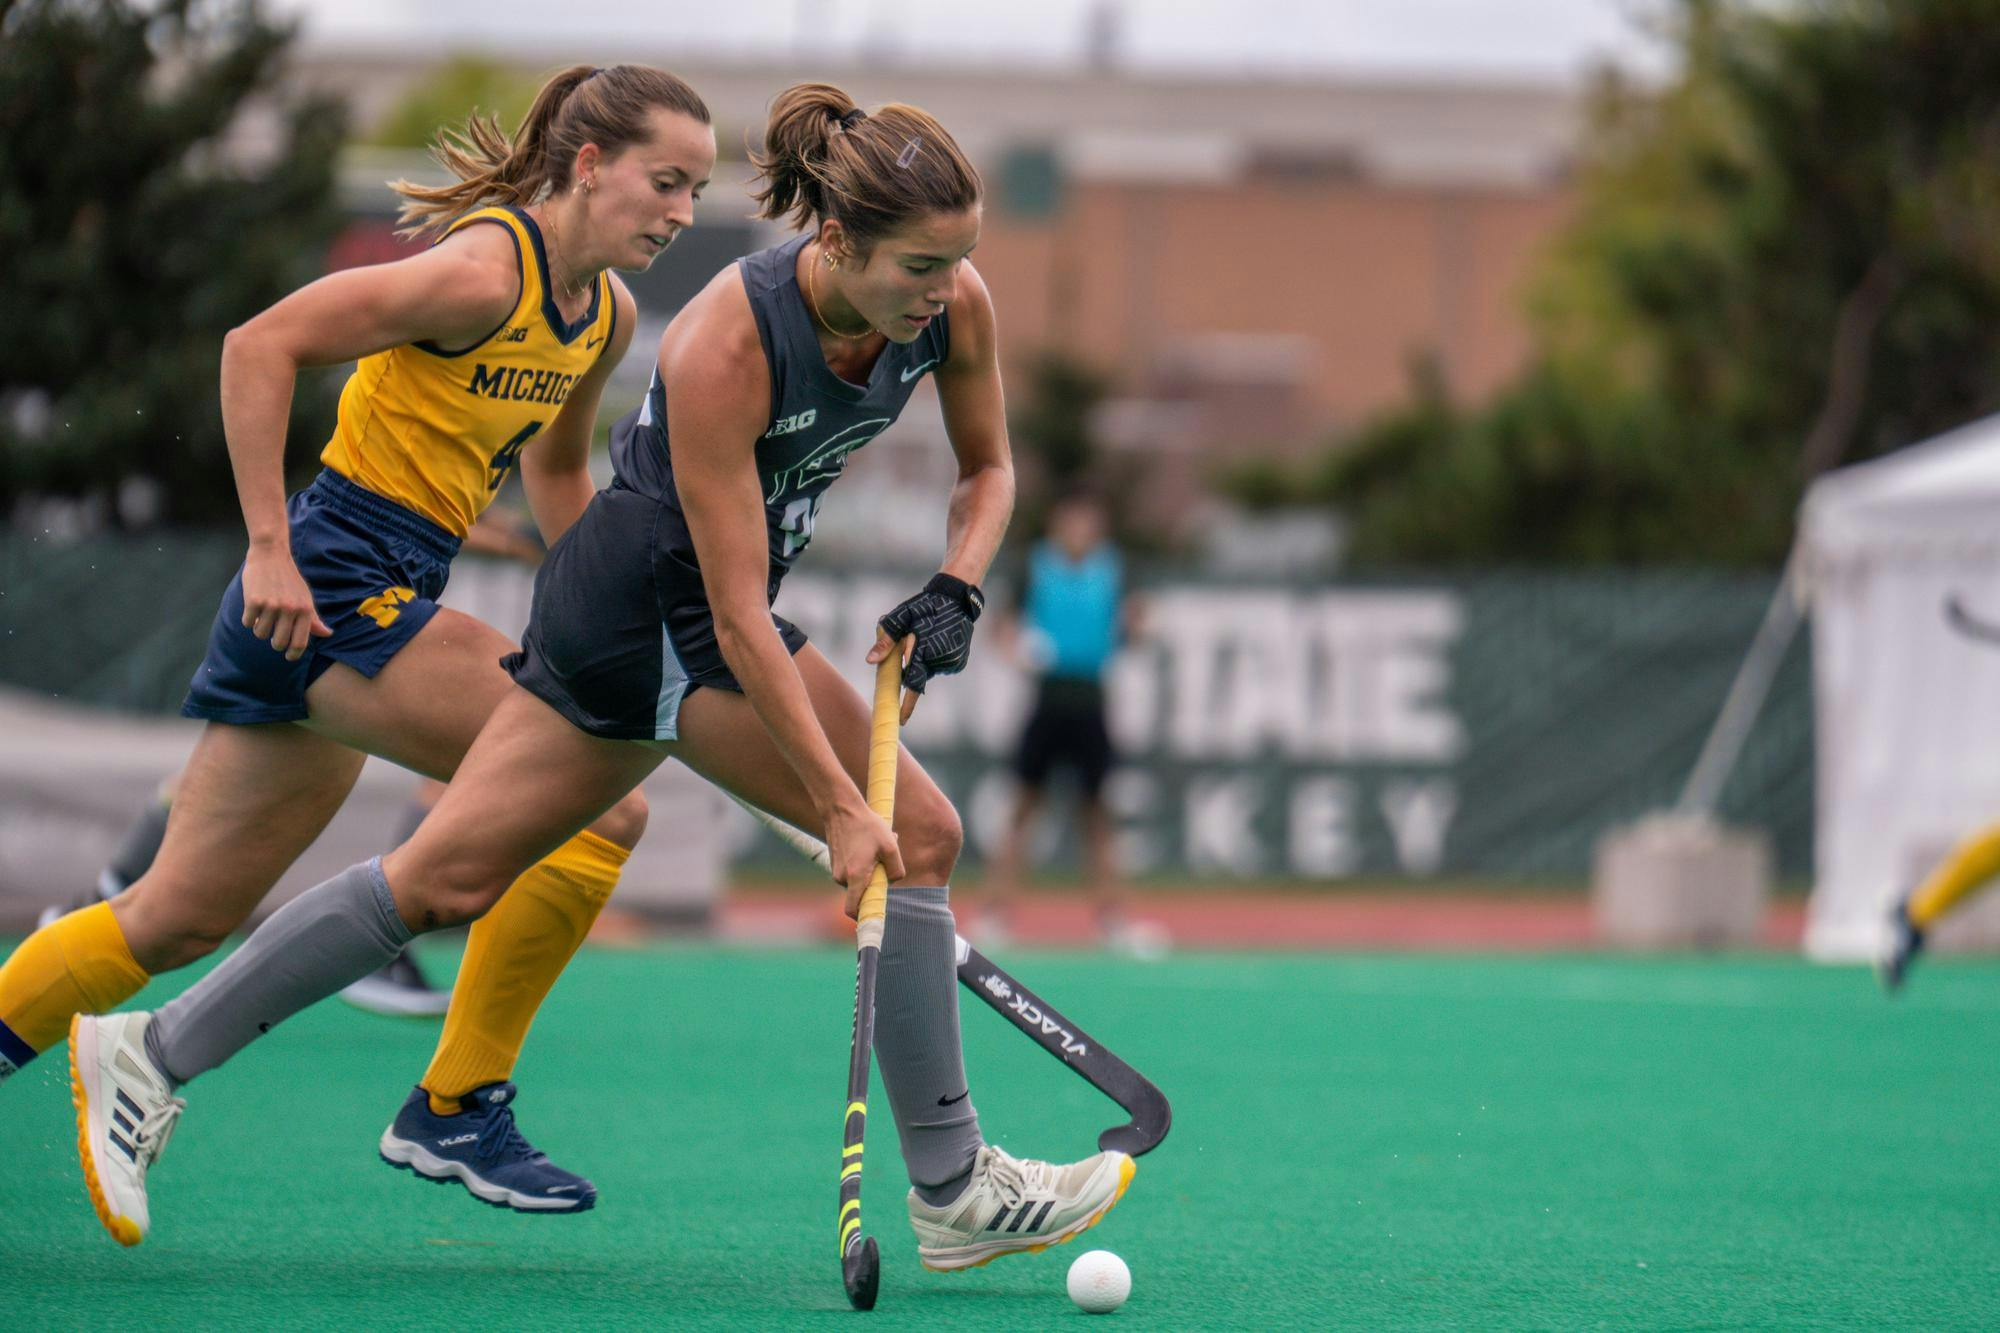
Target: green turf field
1359,1142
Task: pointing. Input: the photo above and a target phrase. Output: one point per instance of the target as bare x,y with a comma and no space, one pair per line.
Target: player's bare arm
718,395
975,419
555,466
453,295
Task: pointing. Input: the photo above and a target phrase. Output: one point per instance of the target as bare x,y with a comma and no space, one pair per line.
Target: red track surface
1416,920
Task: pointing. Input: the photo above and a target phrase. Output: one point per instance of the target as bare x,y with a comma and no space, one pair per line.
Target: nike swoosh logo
911,374
947,1101
589,343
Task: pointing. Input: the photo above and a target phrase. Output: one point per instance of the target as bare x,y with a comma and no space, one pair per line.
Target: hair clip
909,153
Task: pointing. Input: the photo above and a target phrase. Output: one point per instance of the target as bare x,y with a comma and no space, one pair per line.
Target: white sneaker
1013,1206
125,1113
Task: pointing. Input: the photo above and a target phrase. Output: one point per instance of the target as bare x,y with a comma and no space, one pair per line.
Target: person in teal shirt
1074,615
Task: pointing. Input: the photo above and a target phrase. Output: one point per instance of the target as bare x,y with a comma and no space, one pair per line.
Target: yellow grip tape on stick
882,755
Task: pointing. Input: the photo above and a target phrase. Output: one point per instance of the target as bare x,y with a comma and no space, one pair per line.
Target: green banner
1478,727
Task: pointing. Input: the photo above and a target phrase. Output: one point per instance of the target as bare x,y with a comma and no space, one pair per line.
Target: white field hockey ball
1099,1281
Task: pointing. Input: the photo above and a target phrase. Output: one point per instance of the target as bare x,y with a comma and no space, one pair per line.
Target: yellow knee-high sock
78,965
514,955
1971,864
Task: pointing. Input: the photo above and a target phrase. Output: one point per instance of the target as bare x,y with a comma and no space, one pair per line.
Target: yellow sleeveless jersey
437,431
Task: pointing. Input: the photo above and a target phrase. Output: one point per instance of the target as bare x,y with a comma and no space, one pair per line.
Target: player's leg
1089,755
916,1041
1972,864
402,989
1100,862
962,1188
1122,932
257,790
401,677
598,614
516,951
434,679
398,989
1002,887
250,800
1034,758
548,778
528,780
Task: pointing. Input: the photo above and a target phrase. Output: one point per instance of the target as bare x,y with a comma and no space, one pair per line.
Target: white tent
1901,558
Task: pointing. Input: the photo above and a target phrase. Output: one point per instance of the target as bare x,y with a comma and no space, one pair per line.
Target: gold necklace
812,291
555,243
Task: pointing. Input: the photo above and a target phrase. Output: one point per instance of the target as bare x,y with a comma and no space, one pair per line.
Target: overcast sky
1534,39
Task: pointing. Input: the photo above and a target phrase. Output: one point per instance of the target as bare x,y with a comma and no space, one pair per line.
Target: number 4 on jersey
503,461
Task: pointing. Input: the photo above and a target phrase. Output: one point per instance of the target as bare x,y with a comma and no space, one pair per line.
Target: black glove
941,617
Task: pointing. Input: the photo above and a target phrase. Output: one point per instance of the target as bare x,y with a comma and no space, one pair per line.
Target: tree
444,97
1788,259
142,219
1053,424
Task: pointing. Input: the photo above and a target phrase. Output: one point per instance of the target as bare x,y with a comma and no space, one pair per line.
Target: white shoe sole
86,1089
381,997
960,1257
421,1160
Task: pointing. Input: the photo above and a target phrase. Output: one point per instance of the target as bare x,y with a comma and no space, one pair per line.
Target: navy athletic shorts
621,629
1067,729
375,569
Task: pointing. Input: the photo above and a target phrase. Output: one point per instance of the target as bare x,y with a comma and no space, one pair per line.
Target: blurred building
1255,261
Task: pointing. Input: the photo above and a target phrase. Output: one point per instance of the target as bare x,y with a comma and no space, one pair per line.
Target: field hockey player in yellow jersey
487,351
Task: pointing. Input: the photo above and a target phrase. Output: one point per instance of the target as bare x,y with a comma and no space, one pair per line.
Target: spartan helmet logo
827,459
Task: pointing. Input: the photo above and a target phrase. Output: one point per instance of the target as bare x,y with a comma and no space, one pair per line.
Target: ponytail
824,157
583,104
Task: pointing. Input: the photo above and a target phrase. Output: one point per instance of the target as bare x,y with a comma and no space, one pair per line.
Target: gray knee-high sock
916,1041
330,935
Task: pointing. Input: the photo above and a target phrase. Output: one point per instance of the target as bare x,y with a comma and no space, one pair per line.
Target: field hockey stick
1151,1116
860,1259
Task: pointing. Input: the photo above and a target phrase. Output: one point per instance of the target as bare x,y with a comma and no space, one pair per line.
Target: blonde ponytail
582,104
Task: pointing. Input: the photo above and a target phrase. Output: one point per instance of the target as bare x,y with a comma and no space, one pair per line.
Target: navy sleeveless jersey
817,418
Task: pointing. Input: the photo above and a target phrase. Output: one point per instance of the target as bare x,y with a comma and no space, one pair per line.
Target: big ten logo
796,422
511,335
385,606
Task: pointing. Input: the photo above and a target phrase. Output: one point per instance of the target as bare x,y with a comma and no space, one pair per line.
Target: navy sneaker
482,1150
1906,941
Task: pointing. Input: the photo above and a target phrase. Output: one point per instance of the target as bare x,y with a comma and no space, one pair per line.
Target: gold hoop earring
812,304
